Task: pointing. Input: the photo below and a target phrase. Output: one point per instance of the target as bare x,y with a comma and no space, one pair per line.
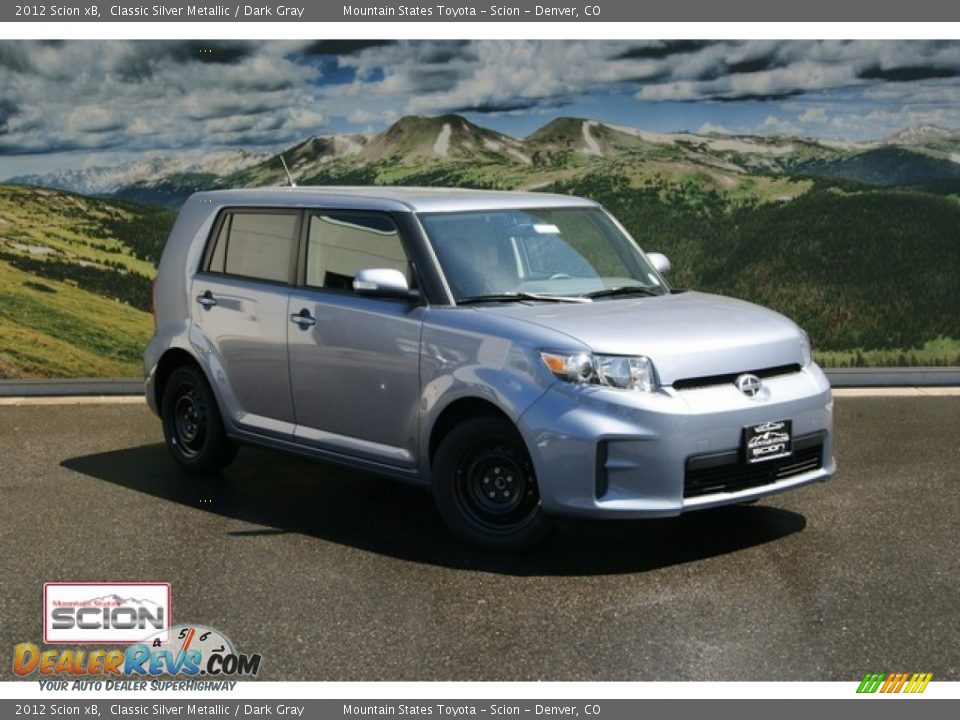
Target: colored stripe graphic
894,683
871,683
919,682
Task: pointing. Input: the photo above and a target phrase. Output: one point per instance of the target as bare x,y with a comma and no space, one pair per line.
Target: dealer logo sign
95,612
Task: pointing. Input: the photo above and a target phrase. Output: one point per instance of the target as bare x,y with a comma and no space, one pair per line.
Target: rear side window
258,245
341,244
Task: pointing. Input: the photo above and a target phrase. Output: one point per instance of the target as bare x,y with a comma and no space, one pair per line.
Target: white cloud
773,125
299,118
813,115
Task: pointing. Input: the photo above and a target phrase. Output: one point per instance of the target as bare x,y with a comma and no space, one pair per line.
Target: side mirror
382,282
660,262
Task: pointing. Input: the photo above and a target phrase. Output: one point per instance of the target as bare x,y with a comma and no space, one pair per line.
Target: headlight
805,354
618,371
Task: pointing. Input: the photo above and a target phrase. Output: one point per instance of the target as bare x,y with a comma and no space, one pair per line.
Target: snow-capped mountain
922,135
414,139
106,180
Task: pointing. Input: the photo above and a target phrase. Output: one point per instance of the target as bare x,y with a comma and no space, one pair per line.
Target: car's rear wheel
192,425
485,486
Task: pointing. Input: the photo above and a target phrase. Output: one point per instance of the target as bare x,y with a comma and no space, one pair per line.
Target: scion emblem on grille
750,385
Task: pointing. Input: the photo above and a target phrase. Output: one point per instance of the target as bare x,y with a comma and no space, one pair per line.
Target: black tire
192,425
482,457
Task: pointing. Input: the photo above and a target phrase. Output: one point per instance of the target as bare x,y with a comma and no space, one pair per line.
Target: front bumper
600,452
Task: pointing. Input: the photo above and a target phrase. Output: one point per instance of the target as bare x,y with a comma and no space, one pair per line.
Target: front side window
340,244
571,251
256,245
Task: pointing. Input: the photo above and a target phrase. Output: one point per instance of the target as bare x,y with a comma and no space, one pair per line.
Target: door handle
207,300
303,319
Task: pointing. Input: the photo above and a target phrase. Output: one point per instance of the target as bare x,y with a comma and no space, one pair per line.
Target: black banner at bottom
873,707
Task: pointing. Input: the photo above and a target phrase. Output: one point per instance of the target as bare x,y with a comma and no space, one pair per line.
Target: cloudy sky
85,103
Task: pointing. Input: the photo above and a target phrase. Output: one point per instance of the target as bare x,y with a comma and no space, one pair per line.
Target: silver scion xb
516,352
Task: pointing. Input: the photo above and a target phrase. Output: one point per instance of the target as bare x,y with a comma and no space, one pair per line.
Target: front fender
465,353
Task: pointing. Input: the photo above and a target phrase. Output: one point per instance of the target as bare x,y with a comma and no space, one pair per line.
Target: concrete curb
55,400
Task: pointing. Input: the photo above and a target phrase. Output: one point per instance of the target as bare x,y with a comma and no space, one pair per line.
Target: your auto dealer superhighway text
224,11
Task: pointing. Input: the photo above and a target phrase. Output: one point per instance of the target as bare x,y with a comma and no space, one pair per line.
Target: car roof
415,199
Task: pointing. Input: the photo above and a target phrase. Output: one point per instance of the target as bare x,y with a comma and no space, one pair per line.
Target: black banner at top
481,11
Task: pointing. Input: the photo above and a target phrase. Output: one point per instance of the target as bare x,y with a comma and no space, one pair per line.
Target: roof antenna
287,171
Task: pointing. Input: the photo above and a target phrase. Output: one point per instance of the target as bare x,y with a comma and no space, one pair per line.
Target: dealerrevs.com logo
197,656
97,612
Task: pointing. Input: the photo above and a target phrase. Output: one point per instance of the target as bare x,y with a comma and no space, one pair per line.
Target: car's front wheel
192,426
485,486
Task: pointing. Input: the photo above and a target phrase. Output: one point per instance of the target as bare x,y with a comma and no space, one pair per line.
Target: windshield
570,252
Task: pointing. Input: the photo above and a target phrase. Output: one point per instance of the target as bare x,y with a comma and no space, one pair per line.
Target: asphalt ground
337,576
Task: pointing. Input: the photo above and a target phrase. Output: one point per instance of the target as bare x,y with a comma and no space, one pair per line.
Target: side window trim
228,223
225,216
211,245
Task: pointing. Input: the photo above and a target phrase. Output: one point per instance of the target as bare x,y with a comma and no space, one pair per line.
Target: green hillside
889,166
75,278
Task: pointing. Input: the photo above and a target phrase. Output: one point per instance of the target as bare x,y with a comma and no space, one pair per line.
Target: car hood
686,335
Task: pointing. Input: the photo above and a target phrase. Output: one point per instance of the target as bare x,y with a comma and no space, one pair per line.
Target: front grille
728,472
730,378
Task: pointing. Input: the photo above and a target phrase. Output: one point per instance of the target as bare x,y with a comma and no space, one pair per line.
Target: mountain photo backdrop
819,178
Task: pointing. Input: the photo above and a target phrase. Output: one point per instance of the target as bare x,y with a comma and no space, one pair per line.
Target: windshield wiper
521,297
622,290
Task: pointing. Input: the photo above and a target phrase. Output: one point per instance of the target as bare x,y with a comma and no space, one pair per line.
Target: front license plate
767,441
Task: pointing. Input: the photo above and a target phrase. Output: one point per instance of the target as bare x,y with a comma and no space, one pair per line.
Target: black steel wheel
192,426
189,421
485,486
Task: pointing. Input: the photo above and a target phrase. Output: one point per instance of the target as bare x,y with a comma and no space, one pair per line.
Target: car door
354,360
239,302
